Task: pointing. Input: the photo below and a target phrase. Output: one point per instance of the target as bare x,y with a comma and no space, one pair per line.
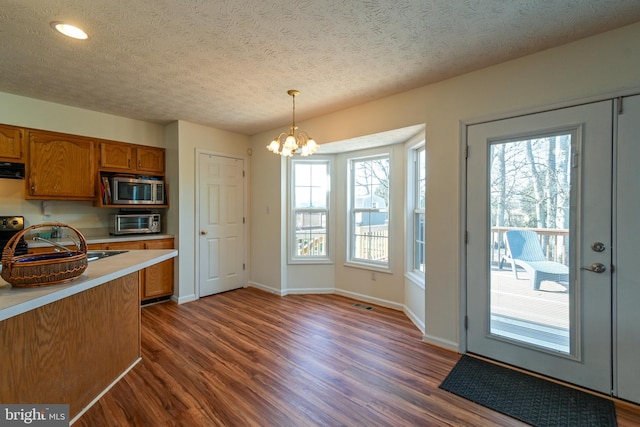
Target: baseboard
366,298
438,342
303,291
267,288
416,321
98,397
185,299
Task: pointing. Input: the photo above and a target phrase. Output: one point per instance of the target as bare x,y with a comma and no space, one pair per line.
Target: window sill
369,267
416,278
310,262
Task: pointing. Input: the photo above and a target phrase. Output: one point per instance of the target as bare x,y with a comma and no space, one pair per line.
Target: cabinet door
116,156
112,246
61,167
158,279
150,159
11,143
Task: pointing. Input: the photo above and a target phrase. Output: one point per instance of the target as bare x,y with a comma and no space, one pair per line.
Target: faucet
58,245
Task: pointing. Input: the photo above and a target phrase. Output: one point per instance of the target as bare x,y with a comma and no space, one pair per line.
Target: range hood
11,170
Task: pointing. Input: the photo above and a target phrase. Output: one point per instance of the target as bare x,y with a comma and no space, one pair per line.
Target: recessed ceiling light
69,30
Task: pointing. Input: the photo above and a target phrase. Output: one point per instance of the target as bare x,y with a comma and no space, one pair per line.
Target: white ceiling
229,63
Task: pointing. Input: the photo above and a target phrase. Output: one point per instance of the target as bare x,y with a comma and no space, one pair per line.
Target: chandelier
287,144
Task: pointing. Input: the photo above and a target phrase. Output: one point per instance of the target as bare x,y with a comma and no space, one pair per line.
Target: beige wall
603,65
190,138
33,113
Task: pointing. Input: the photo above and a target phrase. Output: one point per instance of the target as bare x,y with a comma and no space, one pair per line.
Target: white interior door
549,174
221,242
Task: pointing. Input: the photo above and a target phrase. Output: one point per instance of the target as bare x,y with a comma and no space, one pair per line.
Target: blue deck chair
524,250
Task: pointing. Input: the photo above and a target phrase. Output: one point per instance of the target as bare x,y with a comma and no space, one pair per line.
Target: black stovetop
9,227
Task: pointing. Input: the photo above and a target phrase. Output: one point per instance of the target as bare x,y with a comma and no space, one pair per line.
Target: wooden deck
539,317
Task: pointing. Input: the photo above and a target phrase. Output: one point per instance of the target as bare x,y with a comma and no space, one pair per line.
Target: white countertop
106,238
15,301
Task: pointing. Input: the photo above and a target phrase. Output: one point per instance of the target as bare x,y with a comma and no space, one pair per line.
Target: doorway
221,244
539,221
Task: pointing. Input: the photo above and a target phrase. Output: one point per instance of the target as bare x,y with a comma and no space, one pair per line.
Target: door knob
203,232
596,267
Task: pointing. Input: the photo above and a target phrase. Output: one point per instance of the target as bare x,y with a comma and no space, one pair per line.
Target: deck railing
554,241
311,247
372,243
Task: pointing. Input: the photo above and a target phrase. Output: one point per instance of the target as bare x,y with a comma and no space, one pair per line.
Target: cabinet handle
129,163
139,164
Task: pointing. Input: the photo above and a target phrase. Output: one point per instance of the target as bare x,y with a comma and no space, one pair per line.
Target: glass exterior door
539,243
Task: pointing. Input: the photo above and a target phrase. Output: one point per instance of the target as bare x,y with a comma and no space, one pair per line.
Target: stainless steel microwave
137,191
134,224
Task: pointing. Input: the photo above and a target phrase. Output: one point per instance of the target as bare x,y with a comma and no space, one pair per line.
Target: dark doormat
527,398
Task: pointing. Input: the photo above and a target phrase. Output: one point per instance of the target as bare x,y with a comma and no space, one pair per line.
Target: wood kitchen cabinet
60,167
158,279
155,281
11,144
131,158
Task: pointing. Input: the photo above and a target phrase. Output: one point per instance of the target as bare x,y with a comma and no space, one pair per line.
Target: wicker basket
51,268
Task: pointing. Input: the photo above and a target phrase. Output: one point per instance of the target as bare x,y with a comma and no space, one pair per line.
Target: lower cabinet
72,350
155,281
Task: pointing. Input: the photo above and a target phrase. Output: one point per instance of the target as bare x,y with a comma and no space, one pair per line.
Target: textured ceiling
229,63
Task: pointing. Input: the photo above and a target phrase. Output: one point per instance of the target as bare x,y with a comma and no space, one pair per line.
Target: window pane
369,225
418,250
302,173
311,185
371,242
421,178
420,175
531,190
311,234
310,188
371,183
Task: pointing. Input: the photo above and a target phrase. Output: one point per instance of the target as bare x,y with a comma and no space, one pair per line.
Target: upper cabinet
150,159
121,157
60,167
11,144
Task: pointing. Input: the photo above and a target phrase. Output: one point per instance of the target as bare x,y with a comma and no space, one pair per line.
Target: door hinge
466,152
243,174
243,220
620,108
466,322
242,267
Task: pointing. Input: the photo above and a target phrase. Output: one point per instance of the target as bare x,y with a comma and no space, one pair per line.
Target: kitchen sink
96,255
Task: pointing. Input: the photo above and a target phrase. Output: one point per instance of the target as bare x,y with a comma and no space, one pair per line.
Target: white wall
602,65
191,137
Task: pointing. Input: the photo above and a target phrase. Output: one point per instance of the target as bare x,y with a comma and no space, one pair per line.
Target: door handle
596,267
203,232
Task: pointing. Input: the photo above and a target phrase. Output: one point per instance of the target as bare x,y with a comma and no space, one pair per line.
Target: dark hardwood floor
250,358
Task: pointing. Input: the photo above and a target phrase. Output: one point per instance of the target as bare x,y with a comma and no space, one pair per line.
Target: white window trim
358,263
291,221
